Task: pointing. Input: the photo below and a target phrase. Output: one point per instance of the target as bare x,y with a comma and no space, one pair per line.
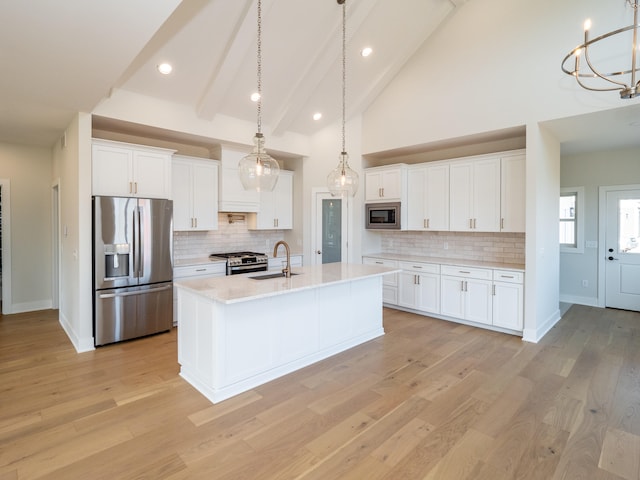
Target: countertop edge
460,262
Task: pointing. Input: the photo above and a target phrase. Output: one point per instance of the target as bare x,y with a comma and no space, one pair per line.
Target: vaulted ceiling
59,58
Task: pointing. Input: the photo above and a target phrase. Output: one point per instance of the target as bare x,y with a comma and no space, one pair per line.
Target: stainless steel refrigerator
132,268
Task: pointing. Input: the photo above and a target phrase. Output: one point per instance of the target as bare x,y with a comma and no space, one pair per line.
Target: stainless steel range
244,262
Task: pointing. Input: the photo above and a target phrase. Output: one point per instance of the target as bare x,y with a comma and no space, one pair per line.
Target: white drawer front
199,270
467,272
379,261
509,276
420,267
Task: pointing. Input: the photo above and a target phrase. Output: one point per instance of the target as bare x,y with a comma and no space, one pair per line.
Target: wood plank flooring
429,400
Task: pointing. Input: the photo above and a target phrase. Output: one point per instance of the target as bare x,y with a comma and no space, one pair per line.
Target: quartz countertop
241,288
460,262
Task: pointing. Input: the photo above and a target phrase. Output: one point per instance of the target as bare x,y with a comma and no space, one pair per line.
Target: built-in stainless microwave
382,216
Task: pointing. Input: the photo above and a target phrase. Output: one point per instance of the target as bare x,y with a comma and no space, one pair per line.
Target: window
571,219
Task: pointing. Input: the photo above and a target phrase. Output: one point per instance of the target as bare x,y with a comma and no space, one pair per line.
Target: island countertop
242,288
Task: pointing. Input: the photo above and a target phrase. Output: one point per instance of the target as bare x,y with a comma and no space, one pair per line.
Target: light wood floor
429,400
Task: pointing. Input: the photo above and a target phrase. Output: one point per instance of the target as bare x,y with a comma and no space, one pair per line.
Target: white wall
72,166
495,65
29,171
592,170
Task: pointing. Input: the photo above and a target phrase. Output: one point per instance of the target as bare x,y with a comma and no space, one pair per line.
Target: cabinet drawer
509,276
420,267
467,272
388,280
218,269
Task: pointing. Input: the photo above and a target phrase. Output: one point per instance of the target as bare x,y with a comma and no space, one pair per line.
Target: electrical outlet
585,283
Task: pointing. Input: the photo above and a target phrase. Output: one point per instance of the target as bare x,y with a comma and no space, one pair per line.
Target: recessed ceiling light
366,51
255,97
165,68
317,116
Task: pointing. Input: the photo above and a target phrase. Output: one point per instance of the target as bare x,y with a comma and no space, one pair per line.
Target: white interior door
330,238
622,250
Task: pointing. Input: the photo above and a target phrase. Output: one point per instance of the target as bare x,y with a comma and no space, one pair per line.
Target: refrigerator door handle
140,229
137,292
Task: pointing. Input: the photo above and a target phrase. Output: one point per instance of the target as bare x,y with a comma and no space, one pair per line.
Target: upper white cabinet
232,195
474,195
385,184
195,193
127,170
276,207
512,187
428,197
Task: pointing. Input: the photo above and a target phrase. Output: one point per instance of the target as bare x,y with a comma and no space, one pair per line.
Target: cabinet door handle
502,224
130,187
424,223
466,286
135,185
474,223
196,222
493,290
418,279
427,223
470,223
462,285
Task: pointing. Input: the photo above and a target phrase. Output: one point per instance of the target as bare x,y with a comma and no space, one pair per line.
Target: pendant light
343,180
258,170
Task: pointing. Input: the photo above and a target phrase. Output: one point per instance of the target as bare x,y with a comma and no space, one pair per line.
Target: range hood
232,197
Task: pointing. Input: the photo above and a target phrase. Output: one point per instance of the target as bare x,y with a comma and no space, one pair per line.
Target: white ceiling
59,58
62,57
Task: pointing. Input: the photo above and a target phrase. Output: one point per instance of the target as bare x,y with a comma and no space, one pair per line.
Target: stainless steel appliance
244,262
132,268
382,216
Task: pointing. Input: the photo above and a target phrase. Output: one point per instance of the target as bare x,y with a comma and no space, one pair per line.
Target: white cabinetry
232,195
385,184
195,193
276,207
508,299
389,282
127,170
419,286
189,272
428,197
512,187
474,195
466,293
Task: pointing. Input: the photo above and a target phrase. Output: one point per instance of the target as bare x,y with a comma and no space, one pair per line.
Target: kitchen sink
270,275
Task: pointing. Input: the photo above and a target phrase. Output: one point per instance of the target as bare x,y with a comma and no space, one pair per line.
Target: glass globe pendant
342,181
258,170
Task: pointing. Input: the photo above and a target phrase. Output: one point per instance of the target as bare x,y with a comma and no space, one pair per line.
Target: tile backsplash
230,237
487,247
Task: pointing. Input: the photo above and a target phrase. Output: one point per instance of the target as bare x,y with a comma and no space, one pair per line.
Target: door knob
611,250
611,258
318,252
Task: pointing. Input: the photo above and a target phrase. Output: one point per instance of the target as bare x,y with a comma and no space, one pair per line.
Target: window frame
579,219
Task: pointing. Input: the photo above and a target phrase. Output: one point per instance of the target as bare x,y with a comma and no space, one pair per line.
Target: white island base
235,333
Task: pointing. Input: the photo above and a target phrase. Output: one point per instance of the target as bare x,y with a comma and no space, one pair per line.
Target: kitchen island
238,332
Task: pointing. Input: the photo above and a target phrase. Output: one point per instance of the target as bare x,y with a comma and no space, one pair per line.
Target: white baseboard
31,306
535,335
80,344
578,300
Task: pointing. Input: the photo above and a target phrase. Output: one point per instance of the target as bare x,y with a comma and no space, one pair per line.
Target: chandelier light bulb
587,24
255,97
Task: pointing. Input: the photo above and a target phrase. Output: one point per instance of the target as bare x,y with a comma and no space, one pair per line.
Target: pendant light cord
259,66
344,72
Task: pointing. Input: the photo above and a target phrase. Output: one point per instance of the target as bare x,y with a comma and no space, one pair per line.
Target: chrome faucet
286,271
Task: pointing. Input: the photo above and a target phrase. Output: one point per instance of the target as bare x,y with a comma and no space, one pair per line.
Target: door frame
56,241
602,238
7,305
346,234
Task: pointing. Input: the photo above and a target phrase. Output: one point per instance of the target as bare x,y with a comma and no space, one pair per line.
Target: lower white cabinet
466,293
508,299
484,296
190,272
389,282
419,286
